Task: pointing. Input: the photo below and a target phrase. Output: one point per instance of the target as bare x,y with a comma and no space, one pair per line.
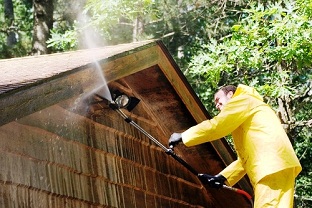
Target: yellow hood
246,90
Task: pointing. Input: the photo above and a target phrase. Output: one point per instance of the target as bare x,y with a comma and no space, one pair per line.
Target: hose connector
113,105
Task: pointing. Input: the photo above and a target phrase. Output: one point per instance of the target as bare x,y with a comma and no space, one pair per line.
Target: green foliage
196,23
304,150
264,49
22,27
115,20
63,40
270,49
106,22
65,32
183,26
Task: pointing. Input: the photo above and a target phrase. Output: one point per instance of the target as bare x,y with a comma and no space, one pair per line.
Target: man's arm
231,117
233,173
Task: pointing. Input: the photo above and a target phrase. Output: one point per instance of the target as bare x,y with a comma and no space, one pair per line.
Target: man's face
221,99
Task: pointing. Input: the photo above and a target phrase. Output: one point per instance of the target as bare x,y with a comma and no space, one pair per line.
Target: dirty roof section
19,72
40,91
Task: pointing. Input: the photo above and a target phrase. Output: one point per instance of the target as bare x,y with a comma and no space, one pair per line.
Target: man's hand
175,138
216,181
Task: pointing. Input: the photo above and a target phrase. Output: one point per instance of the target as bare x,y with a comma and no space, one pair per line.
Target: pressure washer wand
170,151
130,121
167,150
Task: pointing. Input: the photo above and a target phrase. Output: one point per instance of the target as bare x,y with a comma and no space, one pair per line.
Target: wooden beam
31,99
194,105
122,67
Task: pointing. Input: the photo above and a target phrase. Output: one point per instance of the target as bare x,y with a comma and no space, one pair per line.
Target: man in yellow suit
264,151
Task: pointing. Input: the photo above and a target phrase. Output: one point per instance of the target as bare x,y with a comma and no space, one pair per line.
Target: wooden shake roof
41,92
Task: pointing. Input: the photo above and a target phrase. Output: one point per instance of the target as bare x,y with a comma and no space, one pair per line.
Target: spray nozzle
121,100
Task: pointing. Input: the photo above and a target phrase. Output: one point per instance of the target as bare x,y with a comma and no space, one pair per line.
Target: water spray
121,100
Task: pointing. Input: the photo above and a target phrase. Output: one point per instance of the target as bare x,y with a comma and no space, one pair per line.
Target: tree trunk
43,23
9,18
138,28
284,109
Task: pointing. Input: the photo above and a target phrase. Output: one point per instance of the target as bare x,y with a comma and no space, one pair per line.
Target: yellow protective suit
261,143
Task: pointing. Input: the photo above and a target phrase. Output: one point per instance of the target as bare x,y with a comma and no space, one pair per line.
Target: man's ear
230,94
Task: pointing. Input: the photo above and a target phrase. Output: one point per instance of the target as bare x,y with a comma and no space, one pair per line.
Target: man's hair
228,88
